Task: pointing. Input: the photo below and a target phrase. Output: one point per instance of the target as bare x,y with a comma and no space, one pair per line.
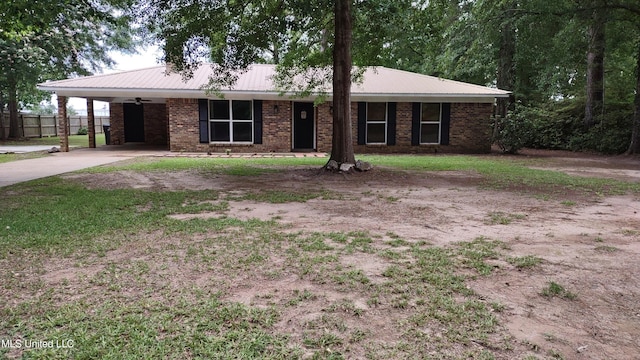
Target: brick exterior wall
156,128
276,128
155,123
469,131
184,131
469,128
116,115
324,128
183,125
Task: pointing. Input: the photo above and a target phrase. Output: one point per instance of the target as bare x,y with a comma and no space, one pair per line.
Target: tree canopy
304,38
572,65
55,39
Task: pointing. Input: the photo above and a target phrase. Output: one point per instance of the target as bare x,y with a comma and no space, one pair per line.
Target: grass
554,289
501,218
498,173
129,309
229,166
281,197
74,140
606,248
503,173
524,262
204,327
144,285
59,216
4,158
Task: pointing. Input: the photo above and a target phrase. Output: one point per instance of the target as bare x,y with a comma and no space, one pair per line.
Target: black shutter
362,123
391,123
445,123
257,121
415,124
203,109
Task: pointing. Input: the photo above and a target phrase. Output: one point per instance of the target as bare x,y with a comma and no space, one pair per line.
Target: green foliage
610,136
550,129
43,109
513,132
54,39
82,131
542,61
559,126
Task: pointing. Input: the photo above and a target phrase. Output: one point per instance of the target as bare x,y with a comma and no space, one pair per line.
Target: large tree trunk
3,133
634,147
14,126
342,144
506,66
506,60
595,68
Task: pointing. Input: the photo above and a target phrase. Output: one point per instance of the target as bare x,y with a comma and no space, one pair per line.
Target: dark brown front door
303,126
133,123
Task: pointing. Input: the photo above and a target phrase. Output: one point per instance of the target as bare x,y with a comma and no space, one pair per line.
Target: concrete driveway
59,163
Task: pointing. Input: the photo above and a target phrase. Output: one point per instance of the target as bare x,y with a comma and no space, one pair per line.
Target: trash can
107,134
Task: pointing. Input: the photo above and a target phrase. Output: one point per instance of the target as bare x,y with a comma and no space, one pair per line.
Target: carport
135,120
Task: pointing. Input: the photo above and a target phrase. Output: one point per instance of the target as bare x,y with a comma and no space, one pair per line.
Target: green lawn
77,141
15,157
74,140
163,293
497,172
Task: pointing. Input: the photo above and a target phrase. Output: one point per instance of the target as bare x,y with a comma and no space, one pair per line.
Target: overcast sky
146,58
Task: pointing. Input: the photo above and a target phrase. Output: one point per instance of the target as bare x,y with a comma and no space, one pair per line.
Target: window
231,121
430,123
376,123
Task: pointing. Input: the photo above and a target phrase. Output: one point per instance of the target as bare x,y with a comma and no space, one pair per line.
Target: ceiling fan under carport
138,101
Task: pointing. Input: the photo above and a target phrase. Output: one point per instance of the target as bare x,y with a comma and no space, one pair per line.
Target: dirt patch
589,245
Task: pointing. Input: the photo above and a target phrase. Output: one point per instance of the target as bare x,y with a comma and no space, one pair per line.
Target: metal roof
379,83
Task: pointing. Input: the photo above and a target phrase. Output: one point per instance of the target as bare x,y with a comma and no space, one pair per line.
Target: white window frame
385,122
231,122
439,123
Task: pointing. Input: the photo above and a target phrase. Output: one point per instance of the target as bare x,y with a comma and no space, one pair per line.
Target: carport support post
91,123
63,129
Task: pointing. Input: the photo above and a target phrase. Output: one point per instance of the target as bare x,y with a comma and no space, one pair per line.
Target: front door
303,126
133,123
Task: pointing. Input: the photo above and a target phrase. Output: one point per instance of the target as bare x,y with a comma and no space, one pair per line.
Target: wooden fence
47,125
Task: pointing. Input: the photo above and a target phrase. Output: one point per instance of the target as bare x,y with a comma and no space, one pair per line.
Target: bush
559,127
549,129
512,132
609,136
83,131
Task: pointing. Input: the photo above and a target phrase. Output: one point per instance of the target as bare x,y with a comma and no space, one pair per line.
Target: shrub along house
393,111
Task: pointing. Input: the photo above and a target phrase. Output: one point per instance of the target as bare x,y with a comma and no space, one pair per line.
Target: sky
146,57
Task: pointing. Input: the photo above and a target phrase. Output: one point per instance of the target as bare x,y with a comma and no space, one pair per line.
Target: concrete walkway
58,163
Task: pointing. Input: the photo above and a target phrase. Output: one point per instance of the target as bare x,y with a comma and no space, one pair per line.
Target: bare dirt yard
402,264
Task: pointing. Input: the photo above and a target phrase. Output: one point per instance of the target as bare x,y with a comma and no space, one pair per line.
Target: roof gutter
266,95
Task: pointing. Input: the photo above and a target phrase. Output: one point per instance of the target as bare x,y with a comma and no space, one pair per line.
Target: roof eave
106,93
